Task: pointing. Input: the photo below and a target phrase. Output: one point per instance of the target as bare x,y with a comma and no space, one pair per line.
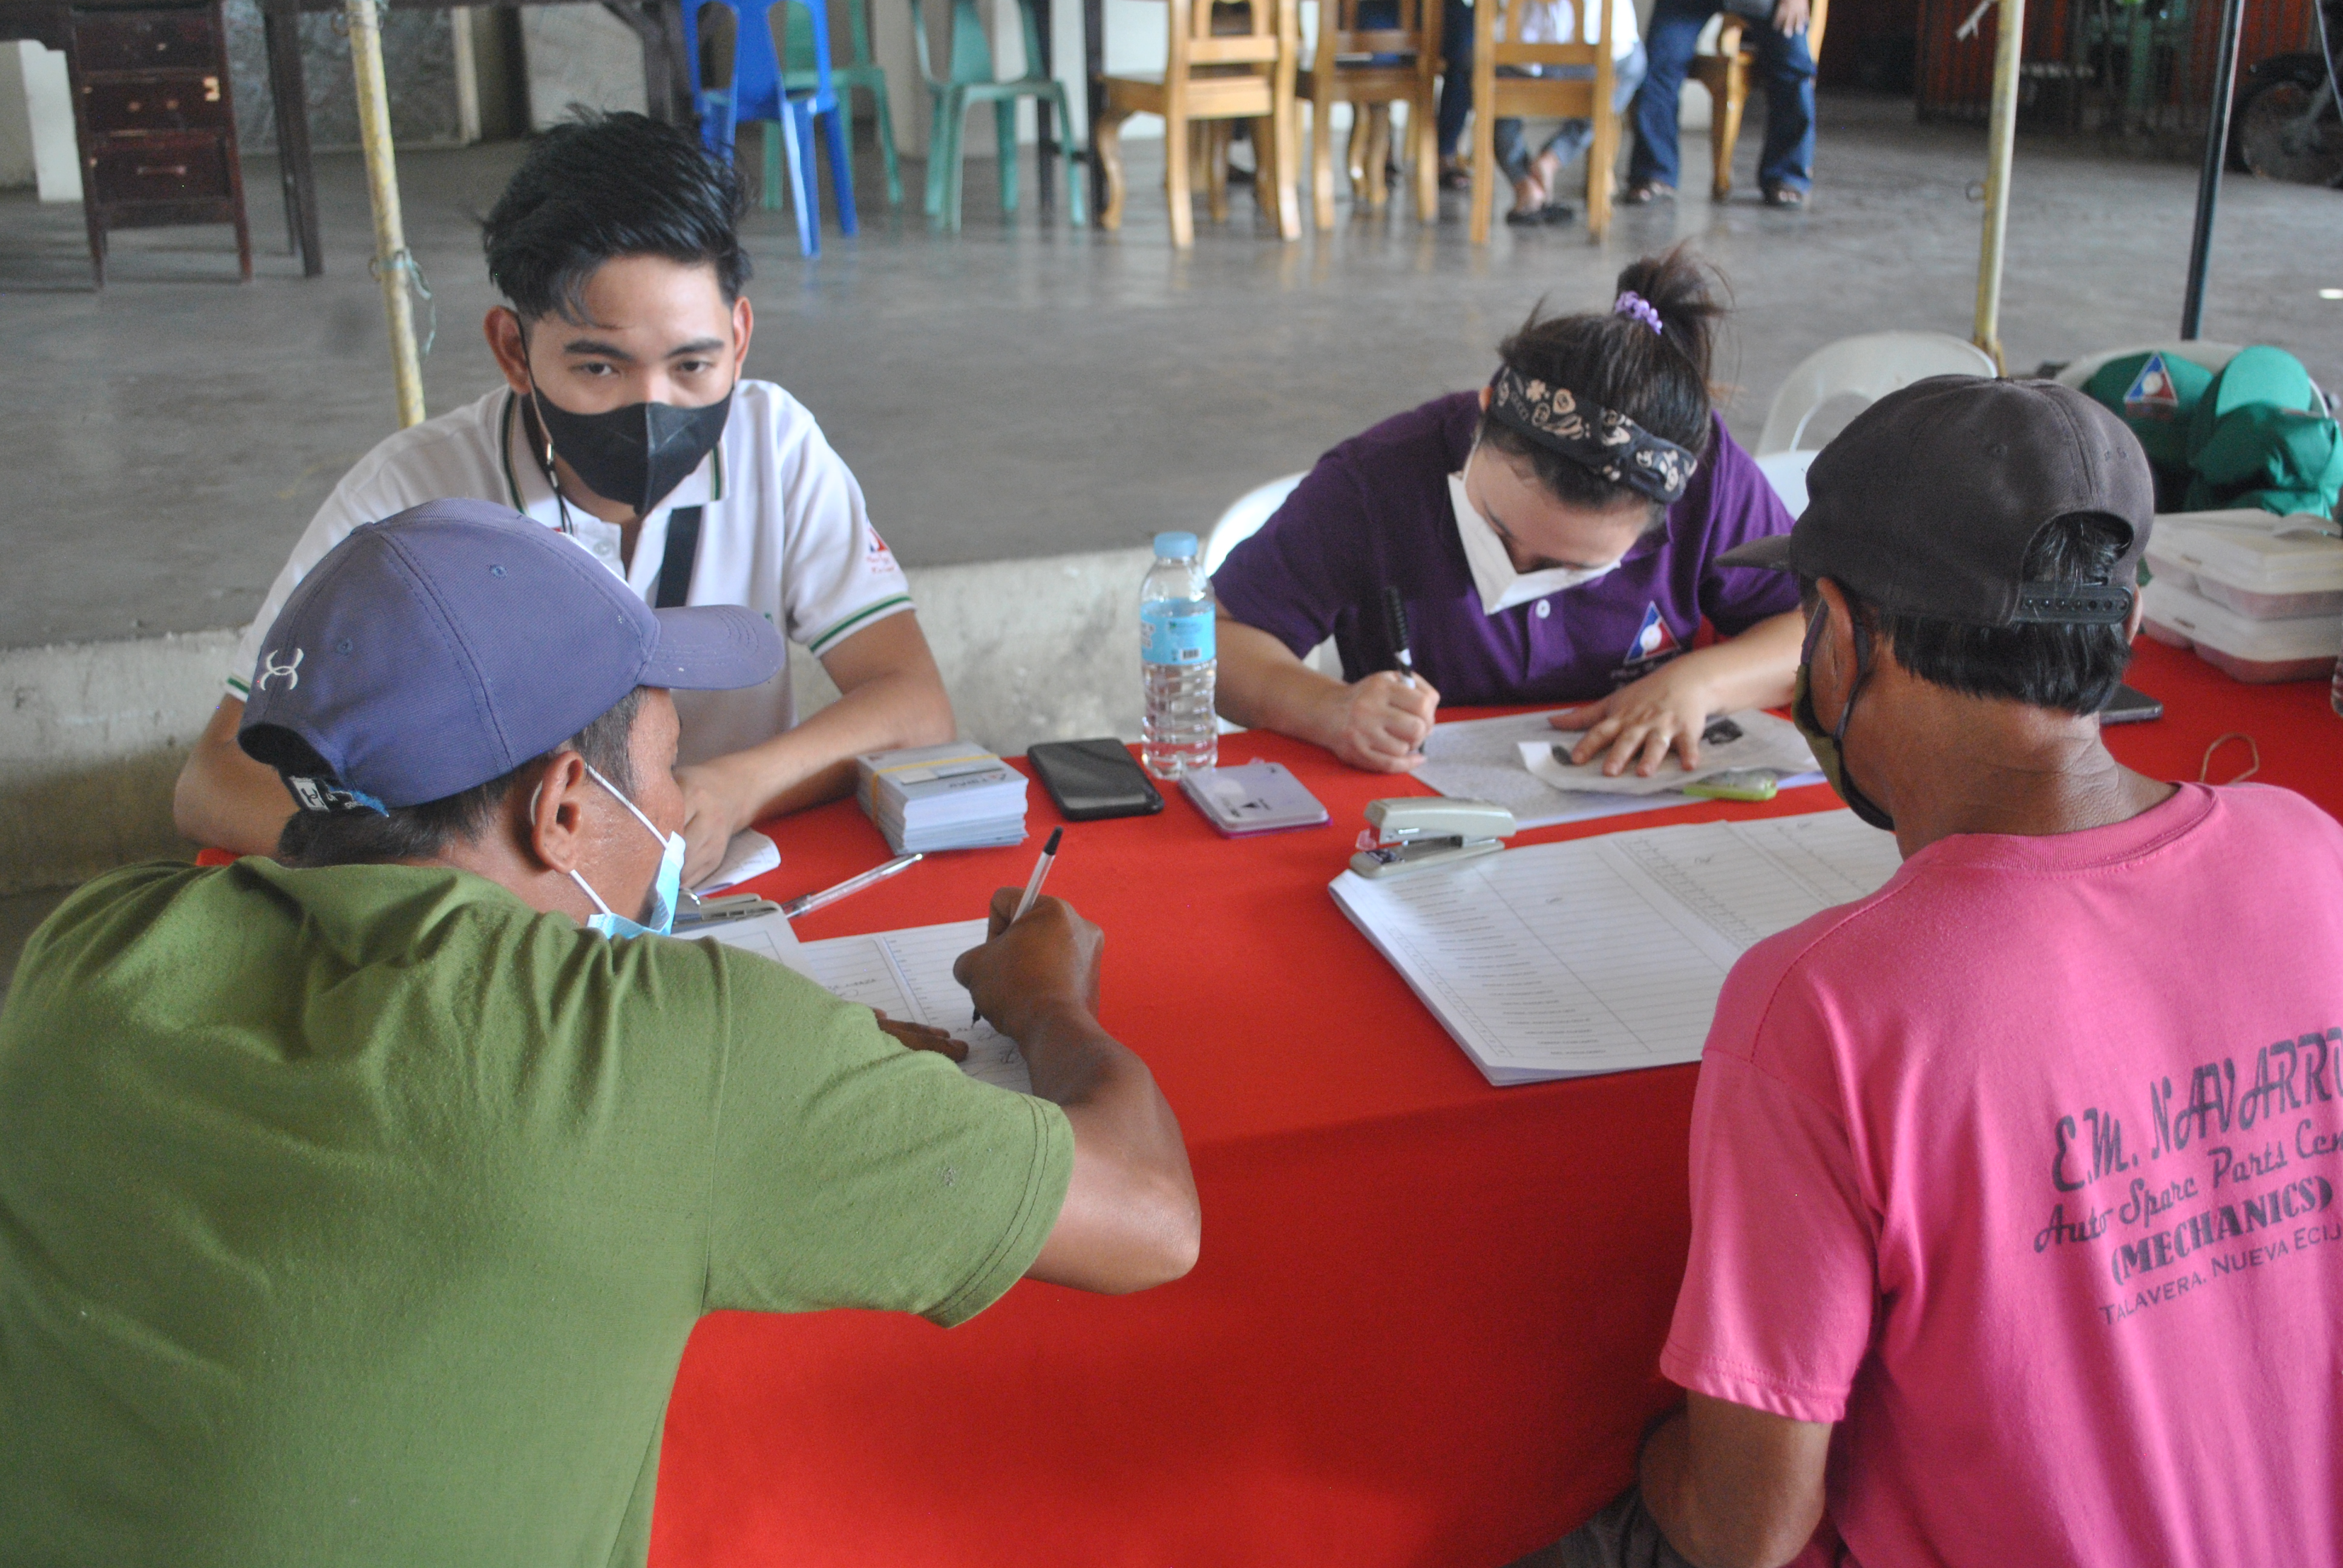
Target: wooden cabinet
156,122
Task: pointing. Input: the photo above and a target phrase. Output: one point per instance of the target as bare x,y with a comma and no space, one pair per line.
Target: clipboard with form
1606,954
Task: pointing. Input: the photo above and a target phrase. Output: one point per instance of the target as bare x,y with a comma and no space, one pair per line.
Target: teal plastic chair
793,41
970,83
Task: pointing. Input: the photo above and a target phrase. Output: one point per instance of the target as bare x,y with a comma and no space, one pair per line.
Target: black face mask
636,455
1828,745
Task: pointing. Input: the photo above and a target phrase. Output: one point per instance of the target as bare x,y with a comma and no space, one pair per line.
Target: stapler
1413,833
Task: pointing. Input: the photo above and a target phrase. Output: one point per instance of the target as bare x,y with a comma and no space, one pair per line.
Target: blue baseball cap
444,647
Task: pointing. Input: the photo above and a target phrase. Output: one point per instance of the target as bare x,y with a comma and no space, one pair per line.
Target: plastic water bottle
1177,661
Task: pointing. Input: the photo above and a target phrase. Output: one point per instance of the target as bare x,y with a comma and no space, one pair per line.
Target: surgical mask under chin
1501,587
666,888
637,454
1825,744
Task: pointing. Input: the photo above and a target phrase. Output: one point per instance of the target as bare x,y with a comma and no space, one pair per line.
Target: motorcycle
2288,120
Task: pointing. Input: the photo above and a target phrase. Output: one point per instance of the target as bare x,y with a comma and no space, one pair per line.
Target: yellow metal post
2009,46
391,262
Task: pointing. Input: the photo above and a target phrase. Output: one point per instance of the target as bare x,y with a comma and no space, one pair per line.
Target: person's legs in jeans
1456,87
1513,161
1573,137
1788,67
1668,51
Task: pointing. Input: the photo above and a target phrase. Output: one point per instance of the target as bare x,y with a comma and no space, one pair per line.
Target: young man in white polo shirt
627,424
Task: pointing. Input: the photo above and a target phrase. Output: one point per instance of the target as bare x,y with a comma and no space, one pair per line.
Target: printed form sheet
1606,954
904,974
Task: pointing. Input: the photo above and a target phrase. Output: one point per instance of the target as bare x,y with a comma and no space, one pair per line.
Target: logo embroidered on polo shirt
876,557
1656,643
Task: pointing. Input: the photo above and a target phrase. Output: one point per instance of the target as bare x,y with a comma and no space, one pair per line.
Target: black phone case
1081,756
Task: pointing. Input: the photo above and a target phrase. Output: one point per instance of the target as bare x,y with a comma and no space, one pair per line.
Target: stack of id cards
1257,797
952,797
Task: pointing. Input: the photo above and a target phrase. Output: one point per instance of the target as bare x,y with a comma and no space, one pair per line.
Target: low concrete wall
91,737
93,734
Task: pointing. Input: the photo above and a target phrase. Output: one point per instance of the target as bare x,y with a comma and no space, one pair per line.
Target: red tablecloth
1425,1324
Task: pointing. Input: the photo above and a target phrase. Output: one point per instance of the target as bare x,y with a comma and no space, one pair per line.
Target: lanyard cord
536,426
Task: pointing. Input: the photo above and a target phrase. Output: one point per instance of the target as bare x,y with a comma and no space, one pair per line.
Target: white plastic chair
2195,350
1787,472
1244,517
1869,367
1241,522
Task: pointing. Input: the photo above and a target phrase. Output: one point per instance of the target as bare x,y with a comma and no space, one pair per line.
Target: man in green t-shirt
355,1209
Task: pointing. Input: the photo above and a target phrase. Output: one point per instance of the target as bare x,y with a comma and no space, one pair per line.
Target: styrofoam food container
2265,567
2301,648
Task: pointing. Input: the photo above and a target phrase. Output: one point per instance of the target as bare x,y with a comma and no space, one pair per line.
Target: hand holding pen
1032,890
1380,723
1041,955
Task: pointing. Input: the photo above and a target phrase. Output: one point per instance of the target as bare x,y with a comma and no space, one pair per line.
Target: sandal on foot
1643,193
1788,196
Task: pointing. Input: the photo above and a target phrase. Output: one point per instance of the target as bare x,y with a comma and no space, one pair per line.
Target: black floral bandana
1604,442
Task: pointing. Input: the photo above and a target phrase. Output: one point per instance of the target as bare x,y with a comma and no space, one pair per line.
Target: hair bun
1683,288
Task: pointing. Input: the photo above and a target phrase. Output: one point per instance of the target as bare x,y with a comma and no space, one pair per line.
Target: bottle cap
1176,546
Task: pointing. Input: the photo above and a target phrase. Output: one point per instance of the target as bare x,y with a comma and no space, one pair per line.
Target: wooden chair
1496,97
1343,70
1726,74
1226,61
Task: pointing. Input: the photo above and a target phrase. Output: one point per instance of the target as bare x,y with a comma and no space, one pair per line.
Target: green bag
2260,436
2258,374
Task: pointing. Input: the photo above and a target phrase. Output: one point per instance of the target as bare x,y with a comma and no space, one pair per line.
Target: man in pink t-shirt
2015,1231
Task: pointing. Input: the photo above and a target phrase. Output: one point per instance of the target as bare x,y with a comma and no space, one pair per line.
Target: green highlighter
1738,784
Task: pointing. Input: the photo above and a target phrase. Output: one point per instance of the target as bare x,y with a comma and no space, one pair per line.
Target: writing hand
1048,961
1383,722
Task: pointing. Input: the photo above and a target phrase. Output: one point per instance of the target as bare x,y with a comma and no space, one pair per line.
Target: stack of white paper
1606,954
955,797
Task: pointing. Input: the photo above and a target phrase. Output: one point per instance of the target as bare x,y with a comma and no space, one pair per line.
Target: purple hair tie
1633,304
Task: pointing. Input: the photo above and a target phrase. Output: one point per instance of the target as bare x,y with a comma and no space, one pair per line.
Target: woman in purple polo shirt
1554,537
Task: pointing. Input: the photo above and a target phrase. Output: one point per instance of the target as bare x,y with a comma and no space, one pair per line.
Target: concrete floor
1017,389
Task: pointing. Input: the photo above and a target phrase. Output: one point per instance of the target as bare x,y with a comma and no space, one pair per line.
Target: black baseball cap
446,646
1928,501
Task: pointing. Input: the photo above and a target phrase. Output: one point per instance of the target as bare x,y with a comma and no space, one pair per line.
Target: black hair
1658,379
313,838
2072,668
600,187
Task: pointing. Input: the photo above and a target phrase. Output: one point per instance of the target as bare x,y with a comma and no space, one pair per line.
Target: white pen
1032,889
876,874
